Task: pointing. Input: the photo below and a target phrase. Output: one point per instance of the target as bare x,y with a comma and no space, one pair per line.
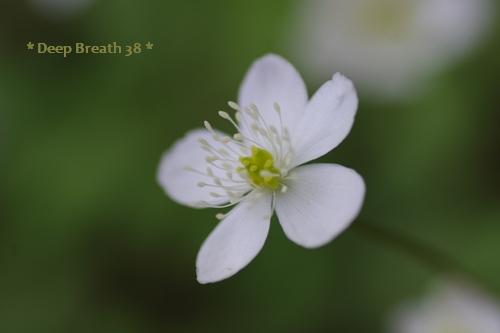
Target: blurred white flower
389,47
60,9
452,307
259,169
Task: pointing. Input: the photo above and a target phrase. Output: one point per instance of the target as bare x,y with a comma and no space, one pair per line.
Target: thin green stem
429,256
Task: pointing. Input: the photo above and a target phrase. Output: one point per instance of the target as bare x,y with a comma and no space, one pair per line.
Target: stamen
206,204
224,152
226,188
216,166
237,115
277,108
224,115
251,112
233,105
243,160
203,142
208,127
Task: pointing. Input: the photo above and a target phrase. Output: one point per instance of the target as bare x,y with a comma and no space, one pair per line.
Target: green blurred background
90,243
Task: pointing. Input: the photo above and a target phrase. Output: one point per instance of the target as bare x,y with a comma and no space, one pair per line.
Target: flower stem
433,258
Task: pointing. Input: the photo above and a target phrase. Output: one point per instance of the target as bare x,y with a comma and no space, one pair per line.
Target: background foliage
89,242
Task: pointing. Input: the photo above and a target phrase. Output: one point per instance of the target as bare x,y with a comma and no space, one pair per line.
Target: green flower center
260,169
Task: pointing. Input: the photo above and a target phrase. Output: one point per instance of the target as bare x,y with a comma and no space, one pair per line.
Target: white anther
265,173
237,115
277,107
208,126
224,115
263,133
251,113
220,216
233,105
203,142
223,152
254,108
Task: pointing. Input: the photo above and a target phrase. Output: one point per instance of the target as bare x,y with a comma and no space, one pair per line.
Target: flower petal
272,79
321,201
180,183
236,240
327,120
453,306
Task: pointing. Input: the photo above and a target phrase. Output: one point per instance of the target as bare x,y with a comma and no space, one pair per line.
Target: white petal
321,201
453,306
327,120
389,57
181,184
272,79
236,240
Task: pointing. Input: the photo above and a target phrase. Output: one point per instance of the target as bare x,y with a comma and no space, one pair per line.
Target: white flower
389,47
452,307
259,170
